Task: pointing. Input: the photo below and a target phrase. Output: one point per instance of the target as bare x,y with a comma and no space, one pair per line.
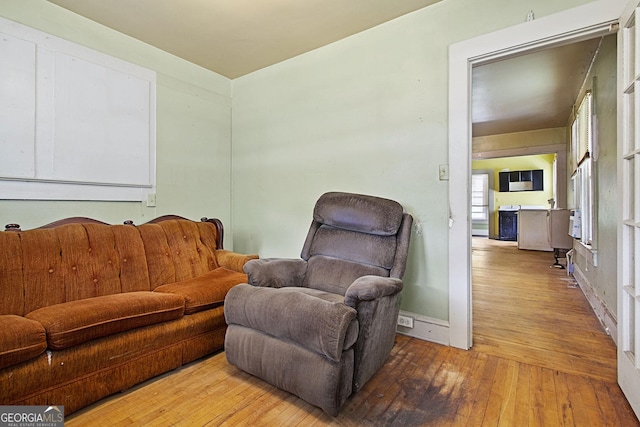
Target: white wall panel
101,124
76,124
17,107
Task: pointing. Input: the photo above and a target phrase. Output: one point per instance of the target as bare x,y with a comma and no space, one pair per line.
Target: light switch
443,173
151,200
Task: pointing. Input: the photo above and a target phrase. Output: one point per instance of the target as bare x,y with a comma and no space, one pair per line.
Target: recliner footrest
307,374
322,326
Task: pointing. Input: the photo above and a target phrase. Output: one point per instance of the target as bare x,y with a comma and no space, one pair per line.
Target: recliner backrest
354,235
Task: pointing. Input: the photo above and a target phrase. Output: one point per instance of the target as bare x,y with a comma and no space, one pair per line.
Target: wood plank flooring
540,358
526,311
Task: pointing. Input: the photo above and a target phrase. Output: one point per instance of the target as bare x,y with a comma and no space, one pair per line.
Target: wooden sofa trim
85,220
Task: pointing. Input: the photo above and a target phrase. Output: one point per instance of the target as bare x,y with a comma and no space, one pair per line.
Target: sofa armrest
21,339
276,272
232,260
369,288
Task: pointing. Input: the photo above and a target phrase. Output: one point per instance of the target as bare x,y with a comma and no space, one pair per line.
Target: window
583,180
75,124
480,197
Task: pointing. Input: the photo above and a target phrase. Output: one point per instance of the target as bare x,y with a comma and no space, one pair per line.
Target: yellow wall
530,198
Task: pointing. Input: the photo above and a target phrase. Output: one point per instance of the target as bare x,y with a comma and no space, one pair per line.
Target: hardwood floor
526,311
540,358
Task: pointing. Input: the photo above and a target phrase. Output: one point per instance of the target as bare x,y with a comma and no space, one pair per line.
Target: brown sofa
88,309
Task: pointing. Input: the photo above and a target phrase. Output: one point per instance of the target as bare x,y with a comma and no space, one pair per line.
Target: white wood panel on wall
110,130
17,108
76,124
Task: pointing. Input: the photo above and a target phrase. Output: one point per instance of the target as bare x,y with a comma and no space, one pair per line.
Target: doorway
588,21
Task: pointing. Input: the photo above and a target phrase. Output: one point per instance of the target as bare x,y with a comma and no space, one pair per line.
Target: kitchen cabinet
508,225
529,180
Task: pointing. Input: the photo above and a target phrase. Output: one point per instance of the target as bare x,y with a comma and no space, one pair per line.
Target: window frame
108,154
582,145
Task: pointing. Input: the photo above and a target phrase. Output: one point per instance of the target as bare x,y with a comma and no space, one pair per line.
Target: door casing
581,23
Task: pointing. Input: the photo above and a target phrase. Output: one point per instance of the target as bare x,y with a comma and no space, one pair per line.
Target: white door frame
572,25
628,284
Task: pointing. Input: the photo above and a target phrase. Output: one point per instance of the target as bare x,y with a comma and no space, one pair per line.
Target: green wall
193,128
603,276
366,114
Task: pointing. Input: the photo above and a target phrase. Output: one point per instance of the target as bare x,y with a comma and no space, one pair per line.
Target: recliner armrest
276,272
369,288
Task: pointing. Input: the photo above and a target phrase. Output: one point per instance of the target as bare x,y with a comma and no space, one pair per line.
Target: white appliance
558,229
544,230
533,230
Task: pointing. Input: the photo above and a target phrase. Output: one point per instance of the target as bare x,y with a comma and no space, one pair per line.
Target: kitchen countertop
521,207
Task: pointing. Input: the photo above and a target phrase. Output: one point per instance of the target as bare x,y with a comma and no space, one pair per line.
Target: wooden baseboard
608,320
426,328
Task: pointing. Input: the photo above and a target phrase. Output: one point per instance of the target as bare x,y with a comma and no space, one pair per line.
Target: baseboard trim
598,306
426,328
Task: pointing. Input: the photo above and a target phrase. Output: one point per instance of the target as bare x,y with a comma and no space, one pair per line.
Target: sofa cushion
20,339
205,291
178,250
11,279
72,323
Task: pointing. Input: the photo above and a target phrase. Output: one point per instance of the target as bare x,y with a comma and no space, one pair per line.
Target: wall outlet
405,321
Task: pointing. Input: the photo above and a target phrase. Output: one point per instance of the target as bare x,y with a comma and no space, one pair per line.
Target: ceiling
237,37
532,91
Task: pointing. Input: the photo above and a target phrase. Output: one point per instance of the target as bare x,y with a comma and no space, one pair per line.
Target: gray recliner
321,326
